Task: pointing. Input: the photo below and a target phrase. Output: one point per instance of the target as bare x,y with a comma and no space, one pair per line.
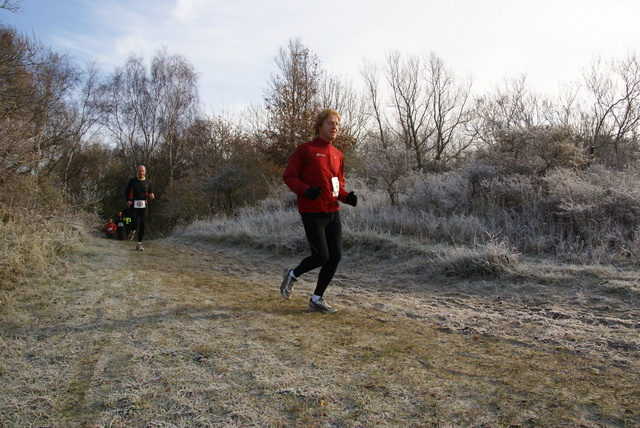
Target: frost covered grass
444,319
196,334
592,217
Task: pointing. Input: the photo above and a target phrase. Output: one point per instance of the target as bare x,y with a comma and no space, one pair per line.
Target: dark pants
324,234
128,227
138,222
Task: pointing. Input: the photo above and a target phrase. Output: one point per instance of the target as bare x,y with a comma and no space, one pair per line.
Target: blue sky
232,44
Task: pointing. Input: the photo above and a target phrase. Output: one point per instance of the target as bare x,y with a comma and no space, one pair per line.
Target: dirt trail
582,313
184,335
576,315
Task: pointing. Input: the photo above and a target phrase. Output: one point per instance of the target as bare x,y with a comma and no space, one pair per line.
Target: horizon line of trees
83,132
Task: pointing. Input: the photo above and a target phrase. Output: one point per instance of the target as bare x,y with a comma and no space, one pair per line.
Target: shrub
38,230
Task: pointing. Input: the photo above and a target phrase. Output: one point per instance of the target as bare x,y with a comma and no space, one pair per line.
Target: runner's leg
333,238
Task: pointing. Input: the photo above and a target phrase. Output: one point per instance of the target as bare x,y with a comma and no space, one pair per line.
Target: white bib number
335,185
139,204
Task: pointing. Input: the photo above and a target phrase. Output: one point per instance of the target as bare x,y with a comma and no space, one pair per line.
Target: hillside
185,334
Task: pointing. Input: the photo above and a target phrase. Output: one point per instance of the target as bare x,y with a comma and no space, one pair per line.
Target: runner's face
141,172
329,129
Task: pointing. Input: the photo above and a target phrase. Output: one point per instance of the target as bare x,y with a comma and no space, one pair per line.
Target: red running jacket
316,163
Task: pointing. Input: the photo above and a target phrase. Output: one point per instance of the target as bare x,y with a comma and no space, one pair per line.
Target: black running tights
324,234
139,220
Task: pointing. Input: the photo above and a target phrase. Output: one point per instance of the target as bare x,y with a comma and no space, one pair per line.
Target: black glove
312,193
351,199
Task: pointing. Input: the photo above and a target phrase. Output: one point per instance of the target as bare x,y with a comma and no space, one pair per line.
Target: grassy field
186,334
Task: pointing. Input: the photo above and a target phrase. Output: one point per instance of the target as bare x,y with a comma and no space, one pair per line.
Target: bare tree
370,73
131,113
85,114
146,113
430,108
176,84
291,101
342,96
450,113
388,167
525,133
411,103
511,107
16,91
11,5
53,118
37,89
220,172
612,120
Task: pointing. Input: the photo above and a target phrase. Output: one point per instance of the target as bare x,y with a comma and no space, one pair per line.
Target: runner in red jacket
315,173
110,228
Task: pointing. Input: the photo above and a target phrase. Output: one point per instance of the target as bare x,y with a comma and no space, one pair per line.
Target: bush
566,213
38,230
586,216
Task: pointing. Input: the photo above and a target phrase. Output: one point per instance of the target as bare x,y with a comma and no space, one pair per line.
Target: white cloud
185,10
232,44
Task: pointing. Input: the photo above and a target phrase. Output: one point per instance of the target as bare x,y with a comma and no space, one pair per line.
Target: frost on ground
189,335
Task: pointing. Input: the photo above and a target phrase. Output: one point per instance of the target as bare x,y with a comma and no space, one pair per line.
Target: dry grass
185,335
38,229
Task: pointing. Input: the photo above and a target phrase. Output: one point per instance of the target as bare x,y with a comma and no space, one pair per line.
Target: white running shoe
322,306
